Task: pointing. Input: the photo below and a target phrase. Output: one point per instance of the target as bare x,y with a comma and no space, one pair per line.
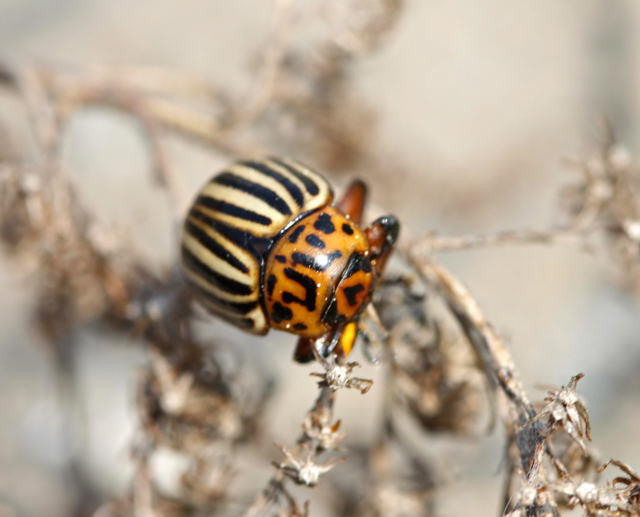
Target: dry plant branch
547,480
73,91
602,212
436,243
320,435
493,355
271,67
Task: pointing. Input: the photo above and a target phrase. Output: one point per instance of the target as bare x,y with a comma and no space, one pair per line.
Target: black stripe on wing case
255,245
238,320
213,277
255,189
214,246
309,184
233,210
245,323
241,309
291,187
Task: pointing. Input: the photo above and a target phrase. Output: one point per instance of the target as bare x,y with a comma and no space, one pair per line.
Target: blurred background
473,109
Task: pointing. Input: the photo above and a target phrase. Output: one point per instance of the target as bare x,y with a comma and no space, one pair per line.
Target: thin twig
271,69
320,434
320,414
436,243
74,92
494,356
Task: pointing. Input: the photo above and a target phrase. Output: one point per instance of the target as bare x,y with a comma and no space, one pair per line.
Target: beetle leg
382,235
304,350
339,340
308,348
353,201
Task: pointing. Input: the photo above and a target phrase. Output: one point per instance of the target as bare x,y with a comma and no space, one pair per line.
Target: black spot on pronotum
281,258
309,286
281,313
324,224
271,283
351,292
300,326
315,241
346,228
303,259
330,258
296,233
318,263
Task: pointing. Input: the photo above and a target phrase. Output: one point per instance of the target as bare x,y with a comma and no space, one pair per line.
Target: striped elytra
232,226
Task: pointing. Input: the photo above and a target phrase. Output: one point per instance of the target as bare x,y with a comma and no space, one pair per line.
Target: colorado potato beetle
263,247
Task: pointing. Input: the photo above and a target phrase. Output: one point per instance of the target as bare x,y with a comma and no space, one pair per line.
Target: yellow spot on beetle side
348,337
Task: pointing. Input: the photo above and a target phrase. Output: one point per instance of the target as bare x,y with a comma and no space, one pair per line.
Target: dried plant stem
265,88
492,352
569,235
493,355
153,80
77,90
320,435
41,112
320,416
306,446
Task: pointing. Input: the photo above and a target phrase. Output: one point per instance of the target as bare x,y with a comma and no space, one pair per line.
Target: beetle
264,247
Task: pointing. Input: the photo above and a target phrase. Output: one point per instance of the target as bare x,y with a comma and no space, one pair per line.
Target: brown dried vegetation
447,370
